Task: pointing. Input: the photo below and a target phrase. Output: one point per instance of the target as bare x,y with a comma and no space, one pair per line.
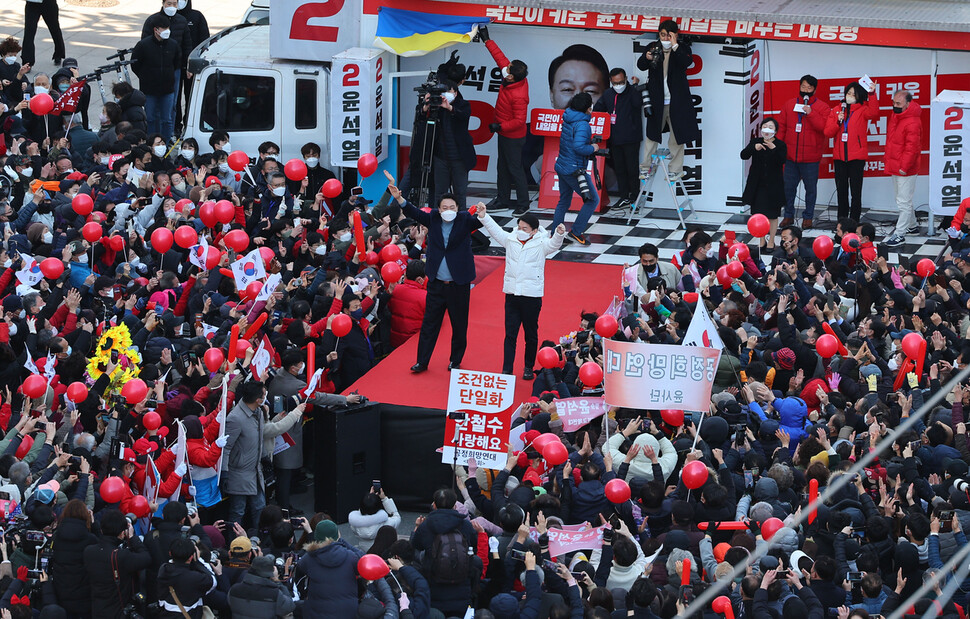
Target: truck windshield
234,102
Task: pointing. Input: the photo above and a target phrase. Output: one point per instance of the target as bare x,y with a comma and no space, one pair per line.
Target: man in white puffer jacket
526,250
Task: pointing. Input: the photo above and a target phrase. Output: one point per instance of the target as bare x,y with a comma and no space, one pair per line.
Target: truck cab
239,89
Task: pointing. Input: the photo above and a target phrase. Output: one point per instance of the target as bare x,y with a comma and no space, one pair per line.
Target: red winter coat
807,145
512,106
407,310
903,142
857,119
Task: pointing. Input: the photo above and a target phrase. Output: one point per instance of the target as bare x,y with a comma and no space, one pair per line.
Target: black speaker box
347,452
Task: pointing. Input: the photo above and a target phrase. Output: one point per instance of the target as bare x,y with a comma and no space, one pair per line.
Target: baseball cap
241,544
69,62
963,255
129,455
144,446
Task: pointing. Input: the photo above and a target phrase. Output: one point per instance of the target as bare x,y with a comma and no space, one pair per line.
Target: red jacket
956,223
407,305
903,142
807,145
857,126
512,106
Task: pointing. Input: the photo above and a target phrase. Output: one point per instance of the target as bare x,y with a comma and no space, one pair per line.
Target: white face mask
159,150
768,133
182,4
188,153
40,90
13,329
279,191
449,97
449,215
505,72
102,118
27,172
666,44
83,258
850,99
893,364
10,59
321,250
104,160
619,87
522,235
224,168
226,148
343,238
272,157
48,237
312,162
68,171
170,11
164,34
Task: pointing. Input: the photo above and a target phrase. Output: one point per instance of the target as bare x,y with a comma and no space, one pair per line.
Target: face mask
893,364
164,34
83,259
226,148
69,351
666,45
321,250
272,156
279,191
187,153
159,150
10,59
23,314
897,110
40,90
27,172
449,215
357,314
850,99
102,118
312,162
217,193
13,329
505,72
449,96
182,4
522,235
63,86
170,213
804,94
104,160
343,238
48,237
768,133
619,87
224,168
300,369
170,11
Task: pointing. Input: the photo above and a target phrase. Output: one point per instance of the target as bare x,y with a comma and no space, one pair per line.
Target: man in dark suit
450,270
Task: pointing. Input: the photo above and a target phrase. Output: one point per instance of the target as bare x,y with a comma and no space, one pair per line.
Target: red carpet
570,287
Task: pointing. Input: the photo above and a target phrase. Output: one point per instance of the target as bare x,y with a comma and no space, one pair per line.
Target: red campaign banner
548,122
563,542
574,413
635,24
486,399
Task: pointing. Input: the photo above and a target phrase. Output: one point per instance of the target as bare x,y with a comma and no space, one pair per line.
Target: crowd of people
158,413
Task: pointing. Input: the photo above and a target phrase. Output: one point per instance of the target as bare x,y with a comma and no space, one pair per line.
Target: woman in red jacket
848,123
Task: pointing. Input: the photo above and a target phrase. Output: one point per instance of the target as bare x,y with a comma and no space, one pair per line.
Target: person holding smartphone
376,511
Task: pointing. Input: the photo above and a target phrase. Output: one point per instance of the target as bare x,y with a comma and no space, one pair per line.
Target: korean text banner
658,376
574,413
487,400
563,542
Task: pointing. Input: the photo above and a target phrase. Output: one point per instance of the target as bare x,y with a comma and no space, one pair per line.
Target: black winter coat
133,110
683,117
71,584
256,597
198,26
155,63
767,173
191,582
181,34
108,596
628,107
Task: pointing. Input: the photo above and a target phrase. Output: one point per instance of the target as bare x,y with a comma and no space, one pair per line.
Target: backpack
449,563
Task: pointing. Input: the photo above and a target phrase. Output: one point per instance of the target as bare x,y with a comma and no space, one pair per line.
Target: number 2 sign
313,30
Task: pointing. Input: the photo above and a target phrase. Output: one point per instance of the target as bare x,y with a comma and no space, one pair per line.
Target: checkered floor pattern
613,241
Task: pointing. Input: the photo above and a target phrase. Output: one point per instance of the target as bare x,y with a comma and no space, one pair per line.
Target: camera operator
671,106
184,581
454,152
113,565
177,523
575,148
260,594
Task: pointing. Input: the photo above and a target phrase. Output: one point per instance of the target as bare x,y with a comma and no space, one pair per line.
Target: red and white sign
548,123
487,399
658,376
950,136
577,412
359,113
563,542
313,31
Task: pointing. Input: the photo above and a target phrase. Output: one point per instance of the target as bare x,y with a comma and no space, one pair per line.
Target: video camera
433,89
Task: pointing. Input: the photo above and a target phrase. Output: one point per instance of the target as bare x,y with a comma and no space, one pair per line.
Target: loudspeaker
348,458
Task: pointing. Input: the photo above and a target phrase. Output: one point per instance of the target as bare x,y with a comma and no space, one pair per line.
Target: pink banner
562,542
657,376
577,412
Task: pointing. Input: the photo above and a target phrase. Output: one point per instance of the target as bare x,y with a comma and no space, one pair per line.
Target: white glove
952,232
493,544
222,440
181,469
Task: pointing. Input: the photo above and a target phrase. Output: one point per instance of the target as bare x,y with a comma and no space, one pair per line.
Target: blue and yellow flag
410,33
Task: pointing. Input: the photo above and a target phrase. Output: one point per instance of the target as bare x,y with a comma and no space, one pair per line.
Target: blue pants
160,110
568,184
238,504
807,173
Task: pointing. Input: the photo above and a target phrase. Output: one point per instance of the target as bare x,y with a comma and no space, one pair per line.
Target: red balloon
591,374
372,567
912,342
242,347
24,448
207,213
540,442
694,474
769,527
82,204
722,605
548,357
77,392
739,251
52,268
212,257
238,160
758,225
555,453
151,420
822,246
925,267
826,345
673,416
238,240
606,325
185,206
617,491
140,506
91,232
253,289
225,211
851,242
295,169
113,489
390,253
267,255
134,391
186,236
723,277
213,359
690,297
341,325
735,269
371,258
391,272
35,386
116,242
332,188
162,240
367,164
41,104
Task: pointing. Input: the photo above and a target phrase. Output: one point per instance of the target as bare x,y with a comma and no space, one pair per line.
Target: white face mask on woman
850,99
188,154
159,150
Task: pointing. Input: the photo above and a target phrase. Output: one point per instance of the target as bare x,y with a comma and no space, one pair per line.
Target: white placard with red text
574,413
488,401
358,106
949,139
313,31
563,542
658,376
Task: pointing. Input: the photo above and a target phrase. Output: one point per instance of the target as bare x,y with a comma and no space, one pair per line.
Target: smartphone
286,514
376,485
151,403
686,595
748,479
645,426
914,445
357,191
854,576
517,555
296,523
277,404
36,536
27,94
550,566
114,356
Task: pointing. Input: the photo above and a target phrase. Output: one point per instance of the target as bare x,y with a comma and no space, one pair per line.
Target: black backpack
449,563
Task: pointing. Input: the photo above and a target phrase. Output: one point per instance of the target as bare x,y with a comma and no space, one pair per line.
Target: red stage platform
570,288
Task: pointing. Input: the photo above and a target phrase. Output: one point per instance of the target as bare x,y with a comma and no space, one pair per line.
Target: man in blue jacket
450,271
